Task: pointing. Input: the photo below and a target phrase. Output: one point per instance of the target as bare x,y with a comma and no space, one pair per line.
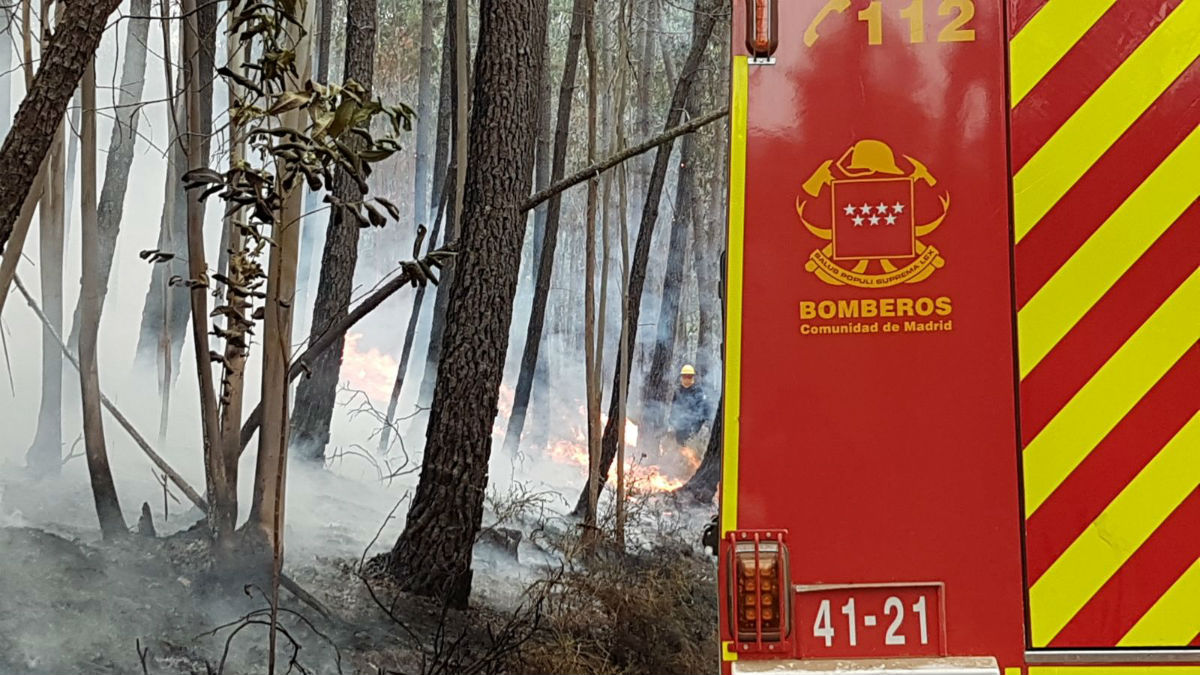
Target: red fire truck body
962,379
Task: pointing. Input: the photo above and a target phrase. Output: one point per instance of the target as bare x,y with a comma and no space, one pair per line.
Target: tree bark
265,525
120,149
549,243
312,233
406,350
704,19
457,36
426,121
433,554
656,391
166,309
221,496
45,455
316,394
104,491
593,335
77,34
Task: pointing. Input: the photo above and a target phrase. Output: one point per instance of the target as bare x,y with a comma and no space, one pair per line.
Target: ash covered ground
70,603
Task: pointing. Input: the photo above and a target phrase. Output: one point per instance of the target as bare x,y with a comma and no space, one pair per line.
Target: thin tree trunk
592,339
542,157
426,120
6,67
45,455
457,35
316,394
406,351
240,267
656,391
622,79
265,525
166,309
541,292
311,233
104,491
120,149
703,22
433,555
76,36
217,488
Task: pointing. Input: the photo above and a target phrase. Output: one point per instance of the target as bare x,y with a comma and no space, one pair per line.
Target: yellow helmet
869,156
687,370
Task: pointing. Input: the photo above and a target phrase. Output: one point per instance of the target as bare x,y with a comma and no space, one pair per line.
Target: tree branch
645,146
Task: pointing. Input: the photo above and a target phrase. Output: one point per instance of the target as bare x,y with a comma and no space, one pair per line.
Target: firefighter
690,409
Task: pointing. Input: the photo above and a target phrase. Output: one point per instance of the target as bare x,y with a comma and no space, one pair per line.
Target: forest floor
70,603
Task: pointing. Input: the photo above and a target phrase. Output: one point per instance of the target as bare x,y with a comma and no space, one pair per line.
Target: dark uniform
689,412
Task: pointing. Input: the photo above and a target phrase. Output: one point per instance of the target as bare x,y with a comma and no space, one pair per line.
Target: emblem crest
873,238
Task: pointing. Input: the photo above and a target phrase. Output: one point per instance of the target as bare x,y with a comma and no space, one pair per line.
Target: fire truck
962,367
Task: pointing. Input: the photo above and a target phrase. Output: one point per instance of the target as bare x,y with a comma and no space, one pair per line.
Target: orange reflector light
762,27
759,587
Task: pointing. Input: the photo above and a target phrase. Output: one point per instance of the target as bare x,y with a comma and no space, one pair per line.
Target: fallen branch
628,153
411,272
288,583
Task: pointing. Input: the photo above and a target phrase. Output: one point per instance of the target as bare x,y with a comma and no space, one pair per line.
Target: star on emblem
891,220
849,210
898,207
865,208
874,220
881,208
858,221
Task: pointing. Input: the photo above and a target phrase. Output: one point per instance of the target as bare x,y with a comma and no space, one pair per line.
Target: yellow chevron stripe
1109,252
1115,534
733,308
1111,393
1048,36
1174,619
1098,123
1115,670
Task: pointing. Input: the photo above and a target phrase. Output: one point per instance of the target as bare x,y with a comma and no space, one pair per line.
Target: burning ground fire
374,372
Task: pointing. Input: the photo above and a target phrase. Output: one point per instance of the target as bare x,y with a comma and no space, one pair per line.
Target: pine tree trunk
703,21
104,491
120,150
657,389
458,39
76,36
316,394
433,555
549,244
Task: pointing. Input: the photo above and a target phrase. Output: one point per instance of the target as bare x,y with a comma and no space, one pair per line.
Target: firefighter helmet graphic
873,238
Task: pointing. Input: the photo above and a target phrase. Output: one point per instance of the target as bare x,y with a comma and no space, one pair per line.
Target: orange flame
372,371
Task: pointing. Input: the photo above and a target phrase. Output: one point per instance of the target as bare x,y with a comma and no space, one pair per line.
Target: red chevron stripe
1140,582
1107,184
1112,464
1195,641
1081,71
1021,11
1109,323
